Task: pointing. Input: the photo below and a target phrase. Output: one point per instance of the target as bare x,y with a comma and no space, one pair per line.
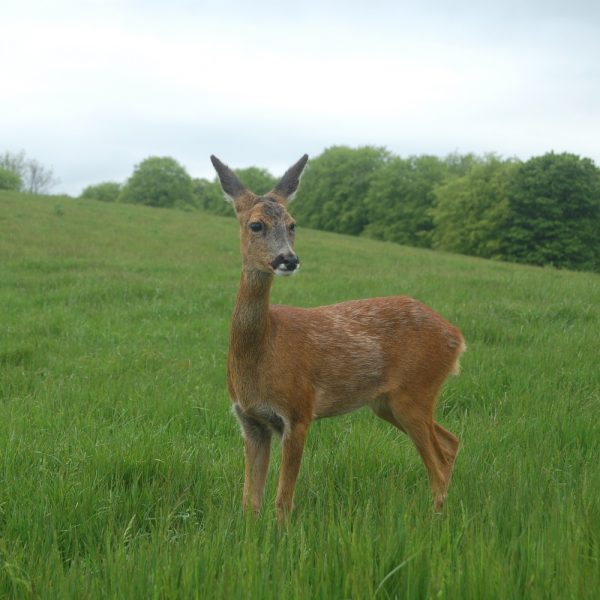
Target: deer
288,366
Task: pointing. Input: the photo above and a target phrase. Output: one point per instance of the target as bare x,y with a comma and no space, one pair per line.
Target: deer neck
250,327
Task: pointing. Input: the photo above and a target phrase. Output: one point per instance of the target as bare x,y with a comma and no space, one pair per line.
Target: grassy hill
121,468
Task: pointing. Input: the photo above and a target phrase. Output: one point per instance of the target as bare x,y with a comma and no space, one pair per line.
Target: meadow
121,466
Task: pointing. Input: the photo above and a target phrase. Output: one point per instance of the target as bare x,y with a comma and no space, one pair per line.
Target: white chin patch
281,270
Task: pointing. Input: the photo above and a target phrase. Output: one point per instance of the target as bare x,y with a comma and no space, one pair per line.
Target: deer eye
292,227
256,226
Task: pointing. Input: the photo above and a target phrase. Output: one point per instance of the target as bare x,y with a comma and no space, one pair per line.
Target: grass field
121,467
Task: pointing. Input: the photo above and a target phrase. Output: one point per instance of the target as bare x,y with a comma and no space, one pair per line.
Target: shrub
106,192
159,181
9,180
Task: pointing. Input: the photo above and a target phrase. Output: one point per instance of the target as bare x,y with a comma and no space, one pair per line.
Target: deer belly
342,395
349,374
327,405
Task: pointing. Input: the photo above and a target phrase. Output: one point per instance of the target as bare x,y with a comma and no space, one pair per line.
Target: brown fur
289,366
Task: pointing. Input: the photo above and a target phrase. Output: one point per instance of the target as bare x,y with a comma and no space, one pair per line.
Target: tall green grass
121,468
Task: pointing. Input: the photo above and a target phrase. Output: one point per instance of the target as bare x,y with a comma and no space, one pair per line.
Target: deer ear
234,189
231,185
288,186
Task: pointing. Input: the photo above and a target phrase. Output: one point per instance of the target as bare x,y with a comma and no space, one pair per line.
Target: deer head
266,228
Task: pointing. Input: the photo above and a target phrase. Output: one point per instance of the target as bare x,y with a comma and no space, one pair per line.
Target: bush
106,192
159,181
9,180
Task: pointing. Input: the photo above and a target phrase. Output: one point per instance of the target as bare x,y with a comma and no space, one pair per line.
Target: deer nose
291,263
286,262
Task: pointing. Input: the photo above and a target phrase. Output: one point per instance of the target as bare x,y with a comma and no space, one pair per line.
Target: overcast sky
91,88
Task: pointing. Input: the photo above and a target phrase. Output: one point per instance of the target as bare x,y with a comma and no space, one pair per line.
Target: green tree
34,177
460,164
400,197
209,197
10,180
334,186
555,213
471,212
106,192
159,181
259,181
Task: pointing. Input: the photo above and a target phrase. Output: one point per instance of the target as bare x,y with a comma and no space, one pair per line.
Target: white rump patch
456,368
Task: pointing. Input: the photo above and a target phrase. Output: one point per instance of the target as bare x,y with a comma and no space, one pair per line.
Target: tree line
542,211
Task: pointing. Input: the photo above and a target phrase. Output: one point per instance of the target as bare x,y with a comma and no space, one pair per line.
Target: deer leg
257,451
436,445
449,443
292,449
383,411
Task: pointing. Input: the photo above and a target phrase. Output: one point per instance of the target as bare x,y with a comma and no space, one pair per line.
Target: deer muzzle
286,264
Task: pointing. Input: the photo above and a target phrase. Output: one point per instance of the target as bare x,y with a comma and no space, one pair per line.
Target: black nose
289,262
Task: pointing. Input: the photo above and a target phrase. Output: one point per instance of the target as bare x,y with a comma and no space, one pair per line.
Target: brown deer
288,366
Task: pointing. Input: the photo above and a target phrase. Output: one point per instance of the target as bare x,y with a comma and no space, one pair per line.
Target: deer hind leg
436,445
449,443
257,451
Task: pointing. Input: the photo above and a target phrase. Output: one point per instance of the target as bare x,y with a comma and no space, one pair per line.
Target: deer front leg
257,451
292,449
